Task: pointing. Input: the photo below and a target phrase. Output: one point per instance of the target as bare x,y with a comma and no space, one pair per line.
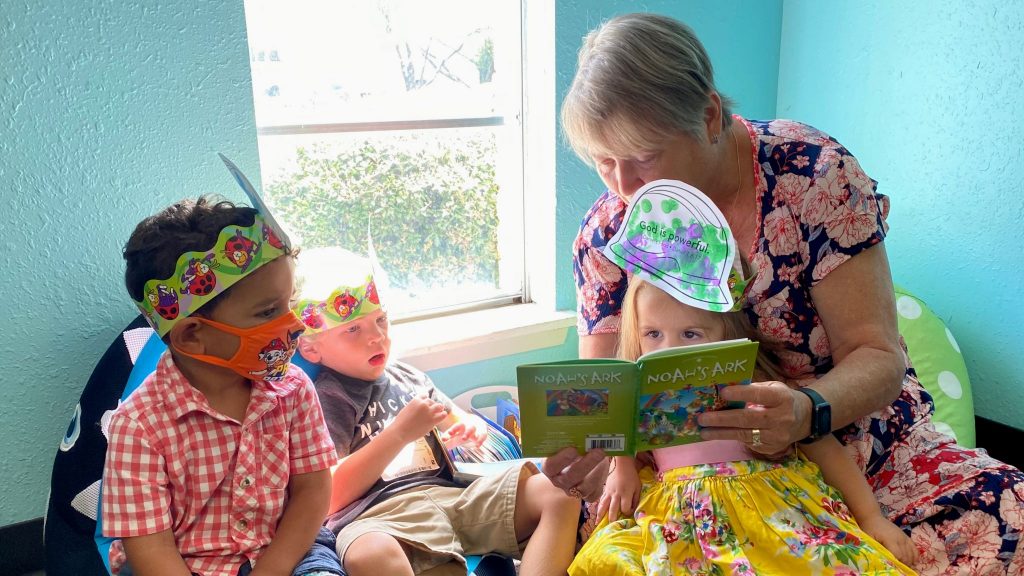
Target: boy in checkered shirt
218,465
395,504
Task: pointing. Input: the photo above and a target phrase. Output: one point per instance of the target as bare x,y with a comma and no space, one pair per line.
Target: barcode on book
616,442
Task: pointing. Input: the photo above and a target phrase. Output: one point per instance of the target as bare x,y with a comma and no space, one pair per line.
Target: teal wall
742,39
930,97
110,110
499,371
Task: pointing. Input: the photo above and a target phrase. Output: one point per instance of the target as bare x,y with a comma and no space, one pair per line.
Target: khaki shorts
441,525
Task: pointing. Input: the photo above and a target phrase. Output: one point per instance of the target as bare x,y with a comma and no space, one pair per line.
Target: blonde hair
321,272
640,79
735,324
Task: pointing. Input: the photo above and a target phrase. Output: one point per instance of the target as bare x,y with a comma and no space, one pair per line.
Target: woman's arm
598,345
858,311
308,496
856,305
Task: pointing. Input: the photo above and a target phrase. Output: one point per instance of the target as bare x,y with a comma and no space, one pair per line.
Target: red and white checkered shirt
220,485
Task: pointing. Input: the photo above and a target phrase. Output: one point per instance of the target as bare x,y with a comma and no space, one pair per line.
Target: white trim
539,139
479,335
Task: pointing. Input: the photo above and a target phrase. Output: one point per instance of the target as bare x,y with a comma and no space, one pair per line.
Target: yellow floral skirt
748,517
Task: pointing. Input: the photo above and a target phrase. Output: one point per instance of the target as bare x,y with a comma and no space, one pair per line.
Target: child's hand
621,492
418,417
890,536
470,430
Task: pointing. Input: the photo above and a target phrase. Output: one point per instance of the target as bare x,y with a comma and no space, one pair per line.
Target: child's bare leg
548,517
376,553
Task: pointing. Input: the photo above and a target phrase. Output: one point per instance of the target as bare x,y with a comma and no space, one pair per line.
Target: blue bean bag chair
74,544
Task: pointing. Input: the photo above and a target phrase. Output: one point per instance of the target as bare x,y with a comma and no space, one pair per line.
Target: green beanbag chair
940,366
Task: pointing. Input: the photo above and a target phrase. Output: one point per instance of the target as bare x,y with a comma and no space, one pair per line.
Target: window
401,121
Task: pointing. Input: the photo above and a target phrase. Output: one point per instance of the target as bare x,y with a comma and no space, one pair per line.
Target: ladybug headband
674,237
200,276
334,287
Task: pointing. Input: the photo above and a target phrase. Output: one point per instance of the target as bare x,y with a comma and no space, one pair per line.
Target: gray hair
641,79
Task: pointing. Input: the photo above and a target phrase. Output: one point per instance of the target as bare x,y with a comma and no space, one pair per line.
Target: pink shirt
220,485
707,452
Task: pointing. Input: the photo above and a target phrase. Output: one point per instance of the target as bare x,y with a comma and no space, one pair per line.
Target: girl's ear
186,336
309,349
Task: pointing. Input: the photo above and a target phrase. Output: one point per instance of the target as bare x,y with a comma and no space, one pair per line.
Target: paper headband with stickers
334,287
674,237
200,276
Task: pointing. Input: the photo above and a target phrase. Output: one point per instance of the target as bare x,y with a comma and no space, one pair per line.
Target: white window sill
447,341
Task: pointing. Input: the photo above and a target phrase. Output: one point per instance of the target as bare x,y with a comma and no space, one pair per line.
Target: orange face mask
264,351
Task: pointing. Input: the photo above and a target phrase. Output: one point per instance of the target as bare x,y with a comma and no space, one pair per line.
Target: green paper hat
674,237
334,287
199,276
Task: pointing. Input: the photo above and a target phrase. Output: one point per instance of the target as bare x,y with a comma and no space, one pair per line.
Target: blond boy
395,505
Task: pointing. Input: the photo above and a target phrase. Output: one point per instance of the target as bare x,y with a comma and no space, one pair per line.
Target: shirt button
242,525
246,482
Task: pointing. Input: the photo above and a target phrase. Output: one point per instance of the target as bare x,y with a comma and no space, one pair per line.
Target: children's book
499,445
508,417
626,407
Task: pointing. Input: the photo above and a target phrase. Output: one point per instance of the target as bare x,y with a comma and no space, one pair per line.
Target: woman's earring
714,139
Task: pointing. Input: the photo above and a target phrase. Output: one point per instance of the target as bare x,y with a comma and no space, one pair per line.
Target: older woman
643,106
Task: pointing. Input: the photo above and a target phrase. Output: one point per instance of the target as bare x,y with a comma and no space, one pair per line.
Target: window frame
531,181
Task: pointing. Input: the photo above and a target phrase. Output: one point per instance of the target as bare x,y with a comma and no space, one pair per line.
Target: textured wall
500,371
110,110
929,97
742,39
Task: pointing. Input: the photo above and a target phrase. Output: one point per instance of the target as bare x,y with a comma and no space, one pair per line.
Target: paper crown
335,287
674,237
200,276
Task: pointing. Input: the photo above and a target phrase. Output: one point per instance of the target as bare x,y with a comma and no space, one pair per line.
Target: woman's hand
776,416
579,476
621,492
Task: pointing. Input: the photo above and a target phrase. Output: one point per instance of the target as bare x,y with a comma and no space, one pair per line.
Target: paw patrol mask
335,287
201,275
264,351
674,237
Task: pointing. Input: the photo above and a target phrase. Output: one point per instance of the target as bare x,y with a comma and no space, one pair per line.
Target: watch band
821,415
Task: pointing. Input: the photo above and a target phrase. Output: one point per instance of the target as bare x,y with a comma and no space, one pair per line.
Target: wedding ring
575,493
755,437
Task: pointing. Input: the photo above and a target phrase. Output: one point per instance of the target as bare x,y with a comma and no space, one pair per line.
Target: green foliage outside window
430,203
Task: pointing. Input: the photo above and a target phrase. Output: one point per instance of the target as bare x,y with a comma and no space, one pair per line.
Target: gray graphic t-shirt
357,410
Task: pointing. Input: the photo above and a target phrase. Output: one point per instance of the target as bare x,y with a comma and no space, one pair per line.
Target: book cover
508,417
624,407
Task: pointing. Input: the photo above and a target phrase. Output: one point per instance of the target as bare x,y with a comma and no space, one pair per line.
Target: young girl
712,508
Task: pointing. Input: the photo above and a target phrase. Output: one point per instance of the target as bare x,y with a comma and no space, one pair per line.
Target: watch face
821,414
823,417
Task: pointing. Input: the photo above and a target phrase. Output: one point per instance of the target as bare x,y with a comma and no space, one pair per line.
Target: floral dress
748,517
816,209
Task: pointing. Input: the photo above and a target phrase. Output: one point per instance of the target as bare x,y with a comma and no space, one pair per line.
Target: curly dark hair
154,247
